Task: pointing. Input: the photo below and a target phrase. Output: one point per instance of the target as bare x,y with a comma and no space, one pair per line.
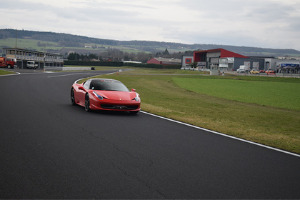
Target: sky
254,23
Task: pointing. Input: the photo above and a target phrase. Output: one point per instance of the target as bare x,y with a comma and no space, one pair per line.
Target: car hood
116,95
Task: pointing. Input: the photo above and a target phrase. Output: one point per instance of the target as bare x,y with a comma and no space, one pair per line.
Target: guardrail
47,68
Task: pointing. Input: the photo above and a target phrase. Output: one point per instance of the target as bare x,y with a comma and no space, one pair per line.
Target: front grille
119,107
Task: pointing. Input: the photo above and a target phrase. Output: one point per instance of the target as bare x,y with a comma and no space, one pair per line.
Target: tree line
116,55
69,40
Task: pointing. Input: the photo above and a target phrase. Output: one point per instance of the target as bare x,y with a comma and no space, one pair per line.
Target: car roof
103,79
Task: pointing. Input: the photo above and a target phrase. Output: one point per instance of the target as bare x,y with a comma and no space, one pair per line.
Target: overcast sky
257,23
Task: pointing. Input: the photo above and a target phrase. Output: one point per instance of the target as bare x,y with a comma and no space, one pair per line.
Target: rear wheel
87,104
72,97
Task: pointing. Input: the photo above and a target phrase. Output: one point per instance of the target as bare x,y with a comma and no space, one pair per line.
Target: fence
121,64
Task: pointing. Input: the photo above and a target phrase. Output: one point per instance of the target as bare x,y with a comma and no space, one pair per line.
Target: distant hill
64,43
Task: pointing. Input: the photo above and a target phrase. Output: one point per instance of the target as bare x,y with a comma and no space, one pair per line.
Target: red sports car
105,94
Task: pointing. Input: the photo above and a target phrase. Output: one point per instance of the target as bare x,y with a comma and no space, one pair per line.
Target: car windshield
109,85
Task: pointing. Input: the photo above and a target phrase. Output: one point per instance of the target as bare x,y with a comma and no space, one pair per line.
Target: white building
41,59
282,65
186,62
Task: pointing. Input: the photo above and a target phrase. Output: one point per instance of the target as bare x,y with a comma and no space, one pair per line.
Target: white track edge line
16,73
222,134
215,132
92,76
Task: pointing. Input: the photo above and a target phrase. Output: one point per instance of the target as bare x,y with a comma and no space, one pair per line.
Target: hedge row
120,64
87,63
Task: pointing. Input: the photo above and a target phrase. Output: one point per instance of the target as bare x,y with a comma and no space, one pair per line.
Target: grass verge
171,96
4,72
272,93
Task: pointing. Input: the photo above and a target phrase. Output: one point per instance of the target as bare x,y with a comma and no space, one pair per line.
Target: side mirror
81,88
133,90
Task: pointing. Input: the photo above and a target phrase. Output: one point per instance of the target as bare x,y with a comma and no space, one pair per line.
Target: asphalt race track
51,149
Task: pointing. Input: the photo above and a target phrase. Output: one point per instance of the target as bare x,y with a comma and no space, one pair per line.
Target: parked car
253,71
31,65
240,71
270,72
261,71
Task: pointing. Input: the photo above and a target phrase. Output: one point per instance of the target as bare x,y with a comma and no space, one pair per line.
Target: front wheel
87,104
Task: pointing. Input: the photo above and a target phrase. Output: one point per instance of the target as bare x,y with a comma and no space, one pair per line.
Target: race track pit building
33,59
225,60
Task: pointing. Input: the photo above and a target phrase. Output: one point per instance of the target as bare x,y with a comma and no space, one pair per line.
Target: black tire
73,97
87,104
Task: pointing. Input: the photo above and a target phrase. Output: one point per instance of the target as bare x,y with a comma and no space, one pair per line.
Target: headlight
137,98
98,96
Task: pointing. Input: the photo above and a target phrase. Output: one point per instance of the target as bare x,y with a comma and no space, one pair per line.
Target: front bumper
114,105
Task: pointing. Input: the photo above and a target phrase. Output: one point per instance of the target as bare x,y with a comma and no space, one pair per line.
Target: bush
120,64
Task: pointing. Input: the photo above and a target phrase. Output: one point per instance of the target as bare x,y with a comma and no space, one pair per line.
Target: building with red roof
225,60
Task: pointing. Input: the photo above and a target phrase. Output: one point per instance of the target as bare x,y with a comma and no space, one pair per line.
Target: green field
266,93
203,101
4,72
28,44
40,45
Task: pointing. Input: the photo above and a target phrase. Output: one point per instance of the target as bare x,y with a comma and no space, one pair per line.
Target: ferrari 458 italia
105,94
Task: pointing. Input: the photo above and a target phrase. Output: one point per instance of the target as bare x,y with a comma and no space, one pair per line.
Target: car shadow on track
104,112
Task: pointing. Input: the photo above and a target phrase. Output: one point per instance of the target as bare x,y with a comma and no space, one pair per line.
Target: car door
81,91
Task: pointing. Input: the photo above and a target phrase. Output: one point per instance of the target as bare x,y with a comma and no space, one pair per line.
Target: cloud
268,23
265,23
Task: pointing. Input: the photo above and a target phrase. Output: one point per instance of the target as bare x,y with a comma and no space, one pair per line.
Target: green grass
270,125
28,44
151,71
3,72
33,44
267,93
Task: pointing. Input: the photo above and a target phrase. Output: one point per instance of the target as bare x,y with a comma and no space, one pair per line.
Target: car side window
86,85
92,87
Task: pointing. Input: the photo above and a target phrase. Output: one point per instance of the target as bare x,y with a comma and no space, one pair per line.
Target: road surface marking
222,134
